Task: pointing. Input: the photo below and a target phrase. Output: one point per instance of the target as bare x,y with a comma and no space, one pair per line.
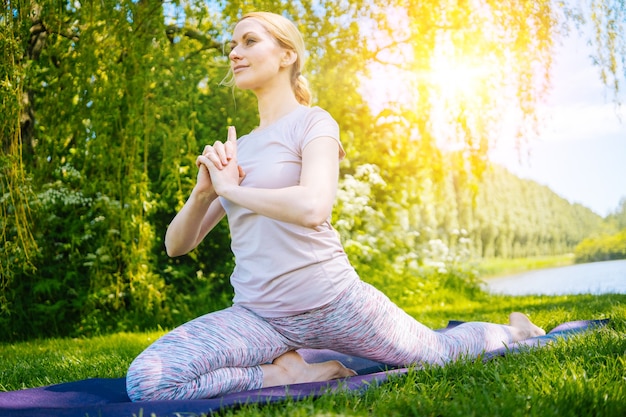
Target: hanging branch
17,243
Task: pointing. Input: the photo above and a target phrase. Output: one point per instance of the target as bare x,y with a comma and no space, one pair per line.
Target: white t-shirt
283,269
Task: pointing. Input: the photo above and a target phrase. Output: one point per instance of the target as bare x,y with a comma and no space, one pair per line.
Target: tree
17,244
106,104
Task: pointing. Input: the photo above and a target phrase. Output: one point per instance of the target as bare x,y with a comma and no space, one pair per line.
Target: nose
234,54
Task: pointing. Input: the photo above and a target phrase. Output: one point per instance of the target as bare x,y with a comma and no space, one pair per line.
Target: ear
289,58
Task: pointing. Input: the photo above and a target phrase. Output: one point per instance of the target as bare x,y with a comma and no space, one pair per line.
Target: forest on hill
107,104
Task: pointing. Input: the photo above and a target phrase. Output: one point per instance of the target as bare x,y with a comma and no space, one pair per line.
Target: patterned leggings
221,352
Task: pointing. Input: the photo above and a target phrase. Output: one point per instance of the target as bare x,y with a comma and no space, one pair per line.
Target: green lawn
581,377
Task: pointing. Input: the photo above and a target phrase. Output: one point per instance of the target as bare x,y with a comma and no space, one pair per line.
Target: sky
580,152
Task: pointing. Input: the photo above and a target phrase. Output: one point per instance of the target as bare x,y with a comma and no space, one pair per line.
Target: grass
496,267
50,361
581,377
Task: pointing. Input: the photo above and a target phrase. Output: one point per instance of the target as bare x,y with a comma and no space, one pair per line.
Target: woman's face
255,58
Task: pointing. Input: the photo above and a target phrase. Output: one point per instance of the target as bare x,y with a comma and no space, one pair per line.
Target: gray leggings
221,352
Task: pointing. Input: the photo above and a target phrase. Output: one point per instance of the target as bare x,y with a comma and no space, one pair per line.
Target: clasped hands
220,161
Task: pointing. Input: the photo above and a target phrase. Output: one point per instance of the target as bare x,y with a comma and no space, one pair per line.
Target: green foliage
106,104
518,218
17,245
395,241
617,219
118,110
602,248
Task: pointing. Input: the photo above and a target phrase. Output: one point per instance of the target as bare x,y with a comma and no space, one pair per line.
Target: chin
251,81
242,84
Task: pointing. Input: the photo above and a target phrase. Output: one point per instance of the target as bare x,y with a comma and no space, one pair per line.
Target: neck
275,103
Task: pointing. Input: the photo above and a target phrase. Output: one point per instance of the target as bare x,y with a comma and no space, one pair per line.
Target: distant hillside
516,217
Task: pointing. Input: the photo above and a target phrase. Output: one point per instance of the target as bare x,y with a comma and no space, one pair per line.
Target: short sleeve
319,123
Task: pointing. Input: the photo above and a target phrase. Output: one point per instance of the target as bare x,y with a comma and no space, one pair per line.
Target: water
591,278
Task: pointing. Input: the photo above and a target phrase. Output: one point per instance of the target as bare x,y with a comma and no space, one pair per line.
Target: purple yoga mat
105,397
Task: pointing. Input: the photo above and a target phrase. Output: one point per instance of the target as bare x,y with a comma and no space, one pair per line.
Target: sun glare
453,79
460,86
451,82
456,77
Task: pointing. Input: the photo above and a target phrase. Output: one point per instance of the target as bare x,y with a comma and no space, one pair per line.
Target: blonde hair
288,37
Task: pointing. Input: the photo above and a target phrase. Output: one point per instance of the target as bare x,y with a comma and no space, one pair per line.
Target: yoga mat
106,397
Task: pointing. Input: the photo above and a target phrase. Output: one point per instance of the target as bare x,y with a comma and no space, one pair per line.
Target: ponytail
301,89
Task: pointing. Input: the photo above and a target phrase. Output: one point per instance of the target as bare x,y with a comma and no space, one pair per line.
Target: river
591,278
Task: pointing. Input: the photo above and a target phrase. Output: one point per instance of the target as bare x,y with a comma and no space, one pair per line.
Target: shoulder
317,121
317,113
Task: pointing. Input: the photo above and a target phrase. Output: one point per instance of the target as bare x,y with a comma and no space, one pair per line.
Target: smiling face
256,59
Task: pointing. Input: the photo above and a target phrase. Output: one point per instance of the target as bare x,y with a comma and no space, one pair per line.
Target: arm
202,211
307,204
193,222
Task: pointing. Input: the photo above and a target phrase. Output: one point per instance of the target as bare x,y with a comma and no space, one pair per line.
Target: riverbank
498,267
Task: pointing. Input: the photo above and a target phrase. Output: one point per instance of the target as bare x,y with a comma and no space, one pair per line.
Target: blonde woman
294,286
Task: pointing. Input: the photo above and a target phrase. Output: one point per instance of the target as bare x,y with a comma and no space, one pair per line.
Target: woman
294,286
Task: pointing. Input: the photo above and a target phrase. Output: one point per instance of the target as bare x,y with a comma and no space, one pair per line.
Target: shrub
602,248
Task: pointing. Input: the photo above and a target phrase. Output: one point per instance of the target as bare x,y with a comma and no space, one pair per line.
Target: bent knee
145,379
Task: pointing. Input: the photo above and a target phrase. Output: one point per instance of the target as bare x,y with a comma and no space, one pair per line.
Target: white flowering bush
438,255
386,249
357,218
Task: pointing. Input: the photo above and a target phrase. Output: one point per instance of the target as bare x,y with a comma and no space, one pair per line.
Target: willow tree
106,104
104,107
17,245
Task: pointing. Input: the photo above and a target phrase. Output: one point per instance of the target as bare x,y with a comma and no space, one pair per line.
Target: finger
231,143
210,158
231,149
211,153
232,134
221,153
202,160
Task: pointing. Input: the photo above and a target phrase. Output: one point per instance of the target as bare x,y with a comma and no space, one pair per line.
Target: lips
239,68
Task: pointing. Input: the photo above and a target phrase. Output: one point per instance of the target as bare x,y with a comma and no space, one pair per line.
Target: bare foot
523,328
290,368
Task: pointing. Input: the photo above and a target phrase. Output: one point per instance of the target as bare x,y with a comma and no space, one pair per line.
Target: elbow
172,249
171,252
174,253
315,215
311,223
